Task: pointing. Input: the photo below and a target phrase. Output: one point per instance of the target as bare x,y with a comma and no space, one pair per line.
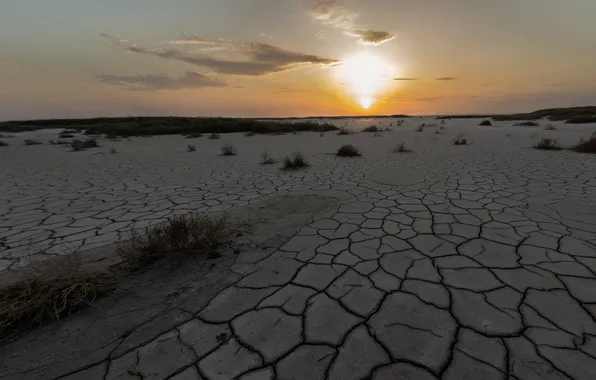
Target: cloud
445,78
162,81
259,59
405,78
371,37
336,15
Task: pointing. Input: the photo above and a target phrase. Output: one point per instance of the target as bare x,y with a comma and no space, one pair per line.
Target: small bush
228,150
58,289
113,151
32,142
78,145
550,127
191,148
321,134
90,143
297,161
372,128
193,136
2,143
527,124
438,132
401,148
586,146
249,134
195,234
460,140
348,151
267,159
442,127
420,128
485,123
343,132
548,144
214,136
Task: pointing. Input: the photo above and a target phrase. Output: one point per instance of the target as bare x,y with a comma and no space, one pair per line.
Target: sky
275,58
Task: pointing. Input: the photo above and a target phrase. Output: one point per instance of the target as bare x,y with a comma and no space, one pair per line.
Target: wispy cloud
336,15
256,59
405,78
446,78
162,81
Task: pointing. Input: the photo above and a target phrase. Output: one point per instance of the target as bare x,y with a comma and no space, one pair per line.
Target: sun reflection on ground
366,76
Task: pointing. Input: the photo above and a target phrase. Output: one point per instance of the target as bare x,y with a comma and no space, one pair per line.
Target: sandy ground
450,262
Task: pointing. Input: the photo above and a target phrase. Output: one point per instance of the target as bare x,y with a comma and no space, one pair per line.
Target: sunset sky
84,58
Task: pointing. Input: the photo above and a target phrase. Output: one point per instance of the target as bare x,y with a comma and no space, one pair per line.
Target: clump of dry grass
420,128
249,134
343,132
78,145
228,150
296,161
3,143
193,136
267,158
461,140
586,146
113,151
401,148
528,123
214,136
485,123
59,288
191,148
550,127
372,128
32,142
548,144
195,234
348,150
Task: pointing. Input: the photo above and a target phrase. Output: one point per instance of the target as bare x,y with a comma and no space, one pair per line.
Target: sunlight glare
367,76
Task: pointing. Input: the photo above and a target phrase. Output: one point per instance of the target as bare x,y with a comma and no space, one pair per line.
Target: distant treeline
571,115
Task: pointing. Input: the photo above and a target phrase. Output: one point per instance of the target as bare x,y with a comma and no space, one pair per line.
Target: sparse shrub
438,132
343,132
460,140
348,150
528,123
214,136
267,158
372,128
485,123
550,127
197,234
377,135
548,144
32,142
586,146
3,143
65,136
321,134
228,150
249,134
420,128
57,289
442,127
76,145
401,148
90,143
113,151
296,161
193,136
191,148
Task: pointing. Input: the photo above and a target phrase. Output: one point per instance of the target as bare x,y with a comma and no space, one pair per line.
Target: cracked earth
473,262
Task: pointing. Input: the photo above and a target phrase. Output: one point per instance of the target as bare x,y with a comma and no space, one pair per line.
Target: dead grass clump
420,128
550,127
485,123
548,144
528,123
214,136
193,136
78,145
267,158
3,143
372,128
586,146
401,148
294,162
343,132
228,150
56,291
249,134
113,151
32,142
348,150
191,148
461,140
196,234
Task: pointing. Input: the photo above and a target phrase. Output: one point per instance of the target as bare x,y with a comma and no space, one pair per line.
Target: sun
366,76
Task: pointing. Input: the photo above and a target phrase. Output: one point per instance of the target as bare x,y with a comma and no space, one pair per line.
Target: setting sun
366,76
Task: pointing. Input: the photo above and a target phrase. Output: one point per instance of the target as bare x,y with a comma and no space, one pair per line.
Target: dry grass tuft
2,143
550,127
113,151
528,123
460,140
228,150
401,148
58,289
267,158
249,134
214,136
420,128
193,136
196,234
191,148
485,123
343,132
372,128
348,150
78,145
586,146
32,142
548,144
297,161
